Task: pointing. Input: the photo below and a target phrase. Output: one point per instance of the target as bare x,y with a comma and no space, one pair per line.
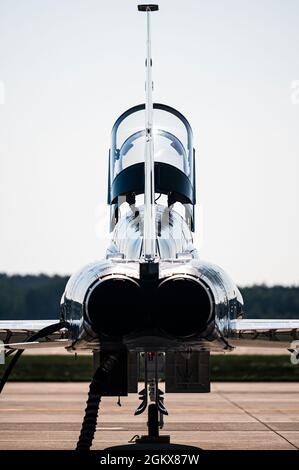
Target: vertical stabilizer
149,232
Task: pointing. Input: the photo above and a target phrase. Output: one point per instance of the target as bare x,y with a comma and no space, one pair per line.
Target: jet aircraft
152,303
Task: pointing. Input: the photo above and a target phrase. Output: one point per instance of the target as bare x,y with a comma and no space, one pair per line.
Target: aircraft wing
16,334
264,333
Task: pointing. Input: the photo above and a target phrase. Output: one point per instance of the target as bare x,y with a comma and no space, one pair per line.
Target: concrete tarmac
45,416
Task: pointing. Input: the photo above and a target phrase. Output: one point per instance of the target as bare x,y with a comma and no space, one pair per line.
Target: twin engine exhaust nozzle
180,306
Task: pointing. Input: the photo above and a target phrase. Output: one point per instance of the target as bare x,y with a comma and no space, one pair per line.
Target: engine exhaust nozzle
185,306
112,305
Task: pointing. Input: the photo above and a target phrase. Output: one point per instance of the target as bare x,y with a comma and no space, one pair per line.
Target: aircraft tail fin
149,231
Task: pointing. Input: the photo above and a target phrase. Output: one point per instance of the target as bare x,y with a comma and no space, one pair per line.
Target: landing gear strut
156,409
153,421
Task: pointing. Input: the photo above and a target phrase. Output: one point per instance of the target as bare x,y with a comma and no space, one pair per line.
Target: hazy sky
68,68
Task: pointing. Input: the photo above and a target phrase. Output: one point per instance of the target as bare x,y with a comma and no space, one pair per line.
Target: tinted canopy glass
172,137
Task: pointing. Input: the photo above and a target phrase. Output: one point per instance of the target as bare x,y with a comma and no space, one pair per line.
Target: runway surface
234,416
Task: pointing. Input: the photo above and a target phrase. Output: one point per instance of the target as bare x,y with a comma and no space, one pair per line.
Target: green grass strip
223,369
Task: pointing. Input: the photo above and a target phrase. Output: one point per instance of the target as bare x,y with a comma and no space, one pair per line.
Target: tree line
38,297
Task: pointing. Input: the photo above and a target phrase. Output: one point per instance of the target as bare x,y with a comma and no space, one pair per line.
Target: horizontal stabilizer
19,331
63,343
263,333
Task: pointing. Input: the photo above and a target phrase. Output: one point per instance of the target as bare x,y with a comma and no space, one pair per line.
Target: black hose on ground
48,330
96,390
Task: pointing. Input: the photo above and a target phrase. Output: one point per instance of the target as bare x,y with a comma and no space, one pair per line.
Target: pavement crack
230,400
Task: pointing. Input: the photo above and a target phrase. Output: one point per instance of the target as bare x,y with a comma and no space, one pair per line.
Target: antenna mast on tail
149,230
